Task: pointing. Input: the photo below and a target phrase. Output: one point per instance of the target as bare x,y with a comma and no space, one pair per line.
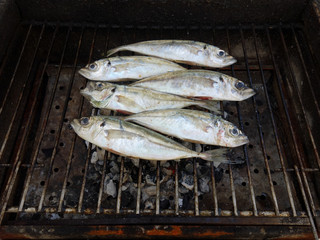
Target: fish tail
114,50
219,156
210,105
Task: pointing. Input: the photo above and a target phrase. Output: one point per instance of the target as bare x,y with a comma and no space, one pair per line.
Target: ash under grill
48,173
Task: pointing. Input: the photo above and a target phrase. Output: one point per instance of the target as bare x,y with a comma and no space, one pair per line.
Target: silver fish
203,84
191,125
182,51
130,140
127,68
135,99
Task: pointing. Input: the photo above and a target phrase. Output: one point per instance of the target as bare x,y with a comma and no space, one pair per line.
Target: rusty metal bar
176,188
305,118
292,170
43,126
195,183
314,229
158,189
64,186
298,93
57,137
102,182
17,160
93,112
275,131
214,191
298,154
306,71
16,67
25,165
21,93
120,185
252,194
139,188
273,193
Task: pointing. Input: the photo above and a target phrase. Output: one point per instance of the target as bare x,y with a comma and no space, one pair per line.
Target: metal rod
21,94
299,156
252,194
214,191
294,81
306,71
176,188
17,161
64,186
102,181
57,137
43,126
139,188
263,147
275,131
313,226
195,183
25,165
158,189
16,68
120,185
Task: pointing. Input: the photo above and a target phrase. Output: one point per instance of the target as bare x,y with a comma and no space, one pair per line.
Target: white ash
148,192
101,153
149,205
187,182
204,184
114,167
135,162
151,180
94,157
110,188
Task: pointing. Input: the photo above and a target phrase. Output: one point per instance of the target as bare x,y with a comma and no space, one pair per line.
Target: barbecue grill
50,185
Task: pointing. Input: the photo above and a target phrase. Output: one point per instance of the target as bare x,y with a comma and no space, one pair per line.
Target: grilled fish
135,99
127,68
130,140
182,51
191,125
198,83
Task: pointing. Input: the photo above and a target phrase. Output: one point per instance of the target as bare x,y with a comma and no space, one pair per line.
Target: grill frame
234,218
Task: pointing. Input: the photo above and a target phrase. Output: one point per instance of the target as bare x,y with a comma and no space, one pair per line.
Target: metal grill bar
176,188
314,229
274,127
139,188
4,144
43,126
16,68
195,182
305,71
298,153
120,185
214,191
259,127
244,147
158,189
57,137
17,163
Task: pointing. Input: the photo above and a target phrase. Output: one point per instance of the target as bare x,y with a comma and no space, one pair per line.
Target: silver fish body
130,140
191,125
183,51
199,83
127,68
135,99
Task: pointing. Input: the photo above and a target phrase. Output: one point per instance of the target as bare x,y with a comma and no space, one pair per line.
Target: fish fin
127,102
219,156
114,50
210,105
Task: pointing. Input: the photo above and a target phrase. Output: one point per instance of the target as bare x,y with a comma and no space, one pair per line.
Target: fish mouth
229,60
84,72
241,141
247,93
86,93
75,124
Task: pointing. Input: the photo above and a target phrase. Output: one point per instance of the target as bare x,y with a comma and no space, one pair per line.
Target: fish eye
239,85
234,132
103,124
99,85
93,66
221,53
221,79
84,121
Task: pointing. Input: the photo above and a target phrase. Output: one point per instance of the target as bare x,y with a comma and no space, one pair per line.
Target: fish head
220,57
234,89
90,128
97,70
98,92
229,135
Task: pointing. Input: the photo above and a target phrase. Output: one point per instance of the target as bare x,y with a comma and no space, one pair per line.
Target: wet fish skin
130,140
136,99
191,125
199,83
127,68
183,51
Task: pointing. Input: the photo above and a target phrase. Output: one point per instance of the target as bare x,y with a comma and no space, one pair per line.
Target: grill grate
46,170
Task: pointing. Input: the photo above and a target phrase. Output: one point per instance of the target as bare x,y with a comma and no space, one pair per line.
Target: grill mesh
46,170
